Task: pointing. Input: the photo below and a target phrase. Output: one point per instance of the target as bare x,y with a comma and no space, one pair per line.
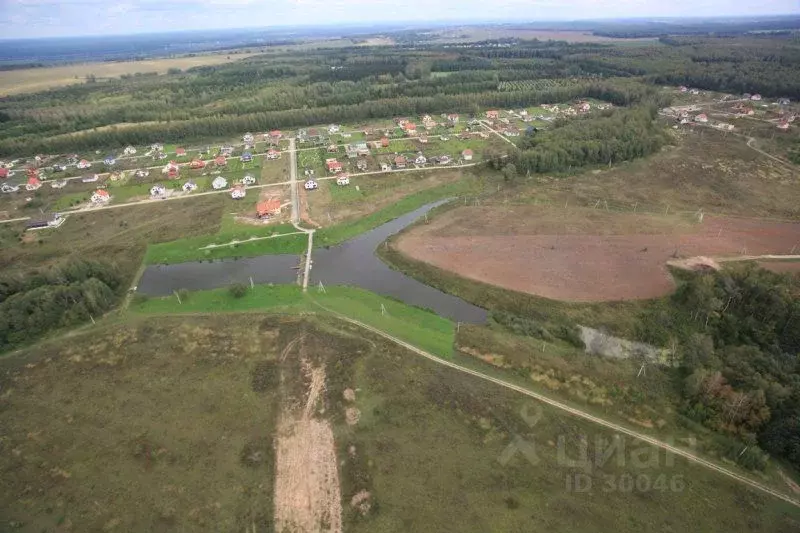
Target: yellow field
40,79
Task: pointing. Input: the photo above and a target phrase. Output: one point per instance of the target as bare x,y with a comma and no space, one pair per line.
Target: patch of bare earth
307,494
579,255
781,267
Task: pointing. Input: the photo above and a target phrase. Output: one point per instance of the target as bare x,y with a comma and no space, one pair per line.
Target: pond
351,263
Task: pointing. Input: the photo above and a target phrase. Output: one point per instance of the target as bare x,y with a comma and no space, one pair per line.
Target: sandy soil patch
307,493
597,257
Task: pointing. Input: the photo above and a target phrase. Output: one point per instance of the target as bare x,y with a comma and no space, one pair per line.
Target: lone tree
509,172
238,290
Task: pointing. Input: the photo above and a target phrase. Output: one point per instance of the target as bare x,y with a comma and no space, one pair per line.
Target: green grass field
417,326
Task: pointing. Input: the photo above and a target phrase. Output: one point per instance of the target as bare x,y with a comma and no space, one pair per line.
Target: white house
189,186
756,97
248,180
334,128
83,164
273,154
90,179
129,150
238,192
158,191
8,188
142,173
386,167
219,183
420,160
248,138
444,160
100,196
58,184
344,179
310,185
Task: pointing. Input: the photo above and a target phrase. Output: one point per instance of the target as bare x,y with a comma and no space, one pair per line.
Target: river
352,263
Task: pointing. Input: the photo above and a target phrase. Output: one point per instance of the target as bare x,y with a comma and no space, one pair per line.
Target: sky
60,18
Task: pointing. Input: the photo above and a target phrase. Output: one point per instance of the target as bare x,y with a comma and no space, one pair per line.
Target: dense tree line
57,297
613,137
737,334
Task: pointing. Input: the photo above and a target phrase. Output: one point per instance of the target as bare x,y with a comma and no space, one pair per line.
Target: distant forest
356,84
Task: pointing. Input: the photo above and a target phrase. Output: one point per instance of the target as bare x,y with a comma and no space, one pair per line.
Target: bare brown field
40,79
583,255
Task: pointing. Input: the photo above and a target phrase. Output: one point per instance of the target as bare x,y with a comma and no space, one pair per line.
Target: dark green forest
60,296
289,90
737,334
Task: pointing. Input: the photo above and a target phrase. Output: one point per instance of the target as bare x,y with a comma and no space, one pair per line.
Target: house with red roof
453,118
33,184
220,161
702,118
268,208
197,164
400,161
410,128
467,155
3,173
333,165
180,152
273,154
493,114
275,135
100,196
385,142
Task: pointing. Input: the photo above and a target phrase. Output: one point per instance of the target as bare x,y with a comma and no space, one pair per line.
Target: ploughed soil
583,254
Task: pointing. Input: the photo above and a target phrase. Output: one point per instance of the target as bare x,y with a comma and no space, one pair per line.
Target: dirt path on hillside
307,493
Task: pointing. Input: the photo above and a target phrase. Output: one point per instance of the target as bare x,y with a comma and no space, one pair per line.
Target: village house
683,89
180,152
3,173
248,138
724,126
275,135
342,179
33,184
109,160
423,139
410,128
90,179
361,165
511,132
756,98
694,91
100,196
583,107
158,191
523,112
505,121
219,183
421,159
129,150
783,101
400,161
116,176
247,157
453,118
83,164
357,149
268,208
8,188
248,180
226,151
58,184
467,154
332,149
444,160
310,185
702,118
334,128
783,125
386,167
156,147
333,165
220,161
171,170
384,142
189,186
493,114
273,154
238,192
52,221
197,164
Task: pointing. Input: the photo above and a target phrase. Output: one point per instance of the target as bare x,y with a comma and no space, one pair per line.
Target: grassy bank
414,325
192,249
